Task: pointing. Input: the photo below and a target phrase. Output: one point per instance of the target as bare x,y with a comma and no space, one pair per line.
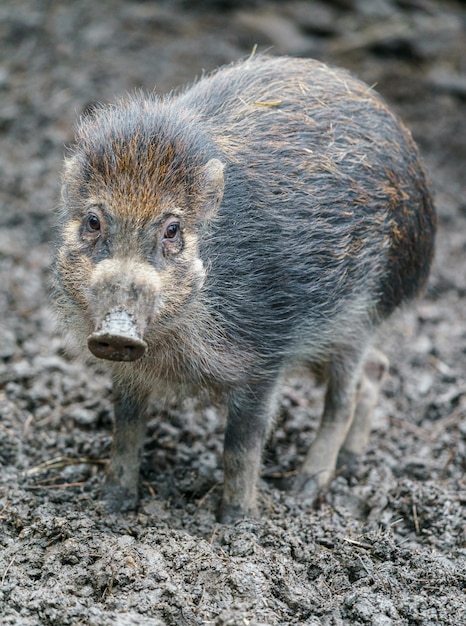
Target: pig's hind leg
372,378
343,373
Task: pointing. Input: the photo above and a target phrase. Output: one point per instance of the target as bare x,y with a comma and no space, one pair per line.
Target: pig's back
326,198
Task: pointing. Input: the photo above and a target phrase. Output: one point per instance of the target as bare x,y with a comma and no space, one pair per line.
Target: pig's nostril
116,348
117,338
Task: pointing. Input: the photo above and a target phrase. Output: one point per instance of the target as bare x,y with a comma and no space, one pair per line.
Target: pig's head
137,189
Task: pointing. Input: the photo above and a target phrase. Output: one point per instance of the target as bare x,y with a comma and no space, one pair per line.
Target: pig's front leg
250,413
121,485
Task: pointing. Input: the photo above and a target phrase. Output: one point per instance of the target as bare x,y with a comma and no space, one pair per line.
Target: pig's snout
116,347
117,339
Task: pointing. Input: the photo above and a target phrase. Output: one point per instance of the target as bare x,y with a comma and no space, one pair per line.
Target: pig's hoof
347,463
307,489
231,513
119,499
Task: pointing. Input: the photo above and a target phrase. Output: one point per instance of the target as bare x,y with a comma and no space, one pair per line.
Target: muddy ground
385,546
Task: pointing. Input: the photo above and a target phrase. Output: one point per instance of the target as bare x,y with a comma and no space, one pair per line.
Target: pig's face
129,253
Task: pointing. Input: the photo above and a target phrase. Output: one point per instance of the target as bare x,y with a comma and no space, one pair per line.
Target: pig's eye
92,223
172,230
172,242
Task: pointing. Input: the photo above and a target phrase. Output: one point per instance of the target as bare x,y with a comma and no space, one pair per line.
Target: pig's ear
212,184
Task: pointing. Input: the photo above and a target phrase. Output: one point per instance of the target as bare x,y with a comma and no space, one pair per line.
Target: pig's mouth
117,338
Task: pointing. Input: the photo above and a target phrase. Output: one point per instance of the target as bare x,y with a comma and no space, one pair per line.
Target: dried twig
358,544
109,588
451,456
422,433
149,488
60,462
416,520
201,500
56,486
2,517
7,569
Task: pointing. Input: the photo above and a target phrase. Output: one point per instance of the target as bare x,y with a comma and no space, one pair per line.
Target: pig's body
326,226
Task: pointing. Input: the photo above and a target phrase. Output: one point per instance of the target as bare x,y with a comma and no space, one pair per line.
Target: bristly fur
305,220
